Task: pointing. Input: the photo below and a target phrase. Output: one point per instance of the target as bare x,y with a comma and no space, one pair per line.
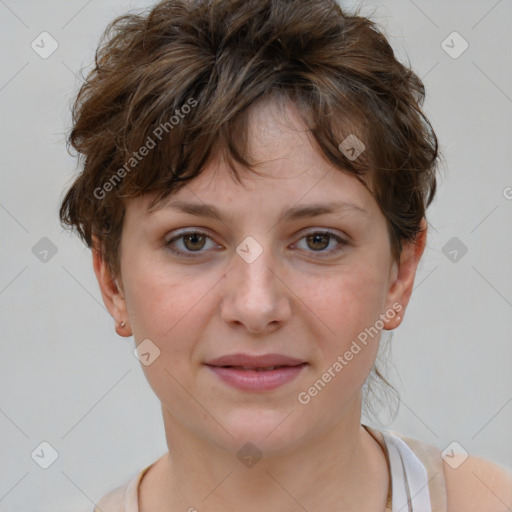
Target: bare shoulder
478,485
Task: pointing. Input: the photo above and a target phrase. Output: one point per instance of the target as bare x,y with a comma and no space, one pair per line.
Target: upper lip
248,361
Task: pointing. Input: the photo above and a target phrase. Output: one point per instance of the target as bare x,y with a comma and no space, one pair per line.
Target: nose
255,295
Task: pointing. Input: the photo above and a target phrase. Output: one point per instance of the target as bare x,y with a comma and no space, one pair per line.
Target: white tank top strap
409,478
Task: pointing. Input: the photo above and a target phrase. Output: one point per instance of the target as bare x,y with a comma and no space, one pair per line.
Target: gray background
65,376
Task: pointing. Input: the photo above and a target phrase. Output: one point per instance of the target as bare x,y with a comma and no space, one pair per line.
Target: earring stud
122,323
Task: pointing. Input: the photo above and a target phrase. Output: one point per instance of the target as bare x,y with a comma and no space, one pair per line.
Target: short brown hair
219,57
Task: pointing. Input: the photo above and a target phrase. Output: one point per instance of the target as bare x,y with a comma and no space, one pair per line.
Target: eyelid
189,231
342,241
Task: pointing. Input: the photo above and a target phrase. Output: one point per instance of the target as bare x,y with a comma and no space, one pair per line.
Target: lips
248,362
256,373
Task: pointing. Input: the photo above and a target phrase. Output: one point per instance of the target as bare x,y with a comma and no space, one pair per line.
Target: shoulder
478,485
114,501
126,496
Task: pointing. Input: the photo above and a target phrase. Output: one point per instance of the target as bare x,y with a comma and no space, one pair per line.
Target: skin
296,299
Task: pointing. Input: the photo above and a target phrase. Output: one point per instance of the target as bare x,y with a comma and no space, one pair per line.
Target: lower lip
253,380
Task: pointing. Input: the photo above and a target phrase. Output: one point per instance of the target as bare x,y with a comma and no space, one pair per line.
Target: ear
402,277
112,293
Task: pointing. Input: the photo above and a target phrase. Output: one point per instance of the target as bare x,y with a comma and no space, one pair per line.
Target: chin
266,431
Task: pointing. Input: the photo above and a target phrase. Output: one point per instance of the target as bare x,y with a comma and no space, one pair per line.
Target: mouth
256,373
258,369
251,362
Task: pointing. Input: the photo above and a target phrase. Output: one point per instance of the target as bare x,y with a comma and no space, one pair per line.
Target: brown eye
319,241
194,241
191,242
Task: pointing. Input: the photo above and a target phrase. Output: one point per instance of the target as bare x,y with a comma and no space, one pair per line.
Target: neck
344,469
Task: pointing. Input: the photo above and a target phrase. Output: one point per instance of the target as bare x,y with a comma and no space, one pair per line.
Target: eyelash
190,254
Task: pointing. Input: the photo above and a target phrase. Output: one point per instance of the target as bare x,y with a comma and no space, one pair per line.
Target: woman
255,181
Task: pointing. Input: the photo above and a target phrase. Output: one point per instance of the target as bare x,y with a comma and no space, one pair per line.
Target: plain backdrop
68,380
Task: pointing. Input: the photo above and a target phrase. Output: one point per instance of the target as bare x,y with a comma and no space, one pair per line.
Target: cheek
350,305
350,300
160,301
166,309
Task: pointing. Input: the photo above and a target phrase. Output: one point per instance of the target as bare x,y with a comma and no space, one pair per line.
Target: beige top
417,482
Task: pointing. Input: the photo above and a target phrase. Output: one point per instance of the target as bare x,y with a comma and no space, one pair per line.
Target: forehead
291,172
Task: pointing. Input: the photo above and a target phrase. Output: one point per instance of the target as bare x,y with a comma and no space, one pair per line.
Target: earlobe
111,292
402,280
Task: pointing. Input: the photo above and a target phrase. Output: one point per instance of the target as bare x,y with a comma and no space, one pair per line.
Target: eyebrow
293,213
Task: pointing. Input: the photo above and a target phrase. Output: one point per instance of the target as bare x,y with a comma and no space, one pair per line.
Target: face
261,278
